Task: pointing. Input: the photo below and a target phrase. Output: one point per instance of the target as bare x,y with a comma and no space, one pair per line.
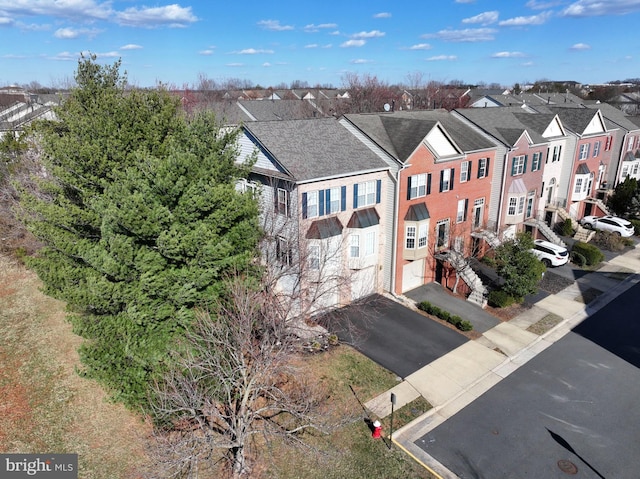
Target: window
417,186
314,257
465,171
634,170
245,186
442,232
578,188
513,203
312,204
283,251
584,151
607,145
410,237
282,202
354,246
518,165
596,149
446,179
366,194
630,144
625,171
462,210
333,200
483,167
369,243
520,205
530,197
422,236
536,161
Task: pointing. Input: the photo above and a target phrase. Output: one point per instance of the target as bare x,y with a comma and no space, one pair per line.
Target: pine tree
141,222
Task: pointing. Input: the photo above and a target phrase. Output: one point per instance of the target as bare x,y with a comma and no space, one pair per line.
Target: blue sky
269,43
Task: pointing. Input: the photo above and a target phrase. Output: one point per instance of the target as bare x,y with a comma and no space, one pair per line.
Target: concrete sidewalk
456,379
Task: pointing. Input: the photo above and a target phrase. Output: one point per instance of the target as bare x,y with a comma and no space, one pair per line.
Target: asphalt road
395,337
572,411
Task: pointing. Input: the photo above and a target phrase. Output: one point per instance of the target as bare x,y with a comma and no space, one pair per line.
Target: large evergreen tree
141,222
518,266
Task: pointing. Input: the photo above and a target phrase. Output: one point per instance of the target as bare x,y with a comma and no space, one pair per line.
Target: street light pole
393,403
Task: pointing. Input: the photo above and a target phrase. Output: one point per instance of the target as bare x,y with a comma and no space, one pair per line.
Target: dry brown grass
44,405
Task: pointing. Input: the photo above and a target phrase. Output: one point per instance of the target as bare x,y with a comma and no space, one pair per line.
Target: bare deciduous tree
233,381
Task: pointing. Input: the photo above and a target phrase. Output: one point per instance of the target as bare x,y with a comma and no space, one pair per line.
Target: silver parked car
613,224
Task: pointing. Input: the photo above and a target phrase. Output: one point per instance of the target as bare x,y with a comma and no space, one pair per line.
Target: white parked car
550,254
613,224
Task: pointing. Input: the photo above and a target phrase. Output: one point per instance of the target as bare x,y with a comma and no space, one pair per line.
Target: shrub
456,320
636,226
610,241
500,299
566,228
591,253
578,259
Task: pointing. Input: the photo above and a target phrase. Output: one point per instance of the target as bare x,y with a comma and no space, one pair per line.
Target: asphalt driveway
397,338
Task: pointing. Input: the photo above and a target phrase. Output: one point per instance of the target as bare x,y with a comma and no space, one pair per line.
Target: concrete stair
464,271
583,234
547,232
564,214
490,237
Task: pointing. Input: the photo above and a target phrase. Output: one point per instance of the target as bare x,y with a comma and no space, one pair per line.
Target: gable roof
503,123
400,133
314,149
576,119
266,110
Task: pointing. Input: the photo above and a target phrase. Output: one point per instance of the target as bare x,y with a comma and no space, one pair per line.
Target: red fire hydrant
377,430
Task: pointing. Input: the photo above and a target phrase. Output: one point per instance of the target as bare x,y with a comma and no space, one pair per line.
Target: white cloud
382,15
524,21
361,61
465,35
274,25
580,46
538,5
131,46
371,34
440,58
71,9
66,56
235,64
353,43
311,28
420,46
170,15
5,21
311,45
508,55
71,33
593,8
266,64
253,51
465,1
486,18
206,52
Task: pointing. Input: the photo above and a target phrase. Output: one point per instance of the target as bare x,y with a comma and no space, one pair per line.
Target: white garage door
363,283
413,275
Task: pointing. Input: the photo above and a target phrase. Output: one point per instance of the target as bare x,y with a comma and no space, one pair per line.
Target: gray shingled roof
576,119
266,110
537,122
399,133
503,123
313,149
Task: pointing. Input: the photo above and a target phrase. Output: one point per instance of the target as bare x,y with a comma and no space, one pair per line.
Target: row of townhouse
387,202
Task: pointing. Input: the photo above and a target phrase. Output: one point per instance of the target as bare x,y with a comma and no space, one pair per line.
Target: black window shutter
429,183
378,190
409,188
343,198
355,195
304,205
441,180
452,179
